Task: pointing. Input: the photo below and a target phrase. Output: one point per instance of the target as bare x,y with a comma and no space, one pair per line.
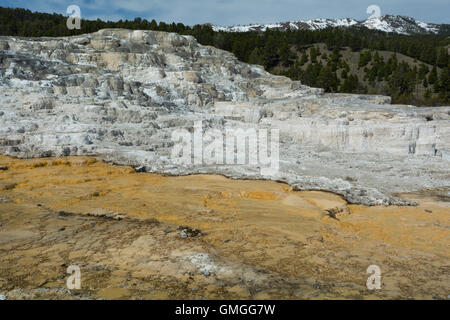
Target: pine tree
350,85
285,55
304,59
364,58
423,70
433,77
314,53
270,54
444,85
442,60
328,79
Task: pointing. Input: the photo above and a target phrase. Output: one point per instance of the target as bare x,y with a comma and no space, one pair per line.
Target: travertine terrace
143,227
120,94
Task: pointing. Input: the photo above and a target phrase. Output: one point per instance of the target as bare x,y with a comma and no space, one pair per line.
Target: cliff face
121,94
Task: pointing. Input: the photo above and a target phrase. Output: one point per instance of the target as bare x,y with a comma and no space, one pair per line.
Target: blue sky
230,12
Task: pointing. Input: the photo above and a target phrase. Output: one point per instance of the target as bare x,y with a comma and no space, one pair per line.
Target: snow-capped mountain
400,24
314,24
387,23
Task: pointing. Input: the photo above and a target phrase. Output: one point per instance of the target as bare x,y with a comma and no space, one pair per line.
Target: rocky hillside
121,94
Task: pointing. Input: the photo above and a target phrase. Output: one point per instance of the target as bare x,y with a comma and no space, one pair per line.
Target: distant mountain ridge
387,23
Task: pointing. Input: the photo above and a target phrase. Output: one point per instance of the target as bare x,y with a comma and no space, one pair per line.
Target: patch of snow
293,26
382,25
427,27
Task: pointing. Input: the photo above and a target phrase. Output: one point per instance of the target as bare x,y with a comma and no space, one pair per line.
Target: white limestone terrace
120,94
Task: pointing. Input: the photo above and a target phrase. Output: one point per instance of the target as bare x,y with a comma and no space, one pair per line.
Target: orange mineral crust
140,235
